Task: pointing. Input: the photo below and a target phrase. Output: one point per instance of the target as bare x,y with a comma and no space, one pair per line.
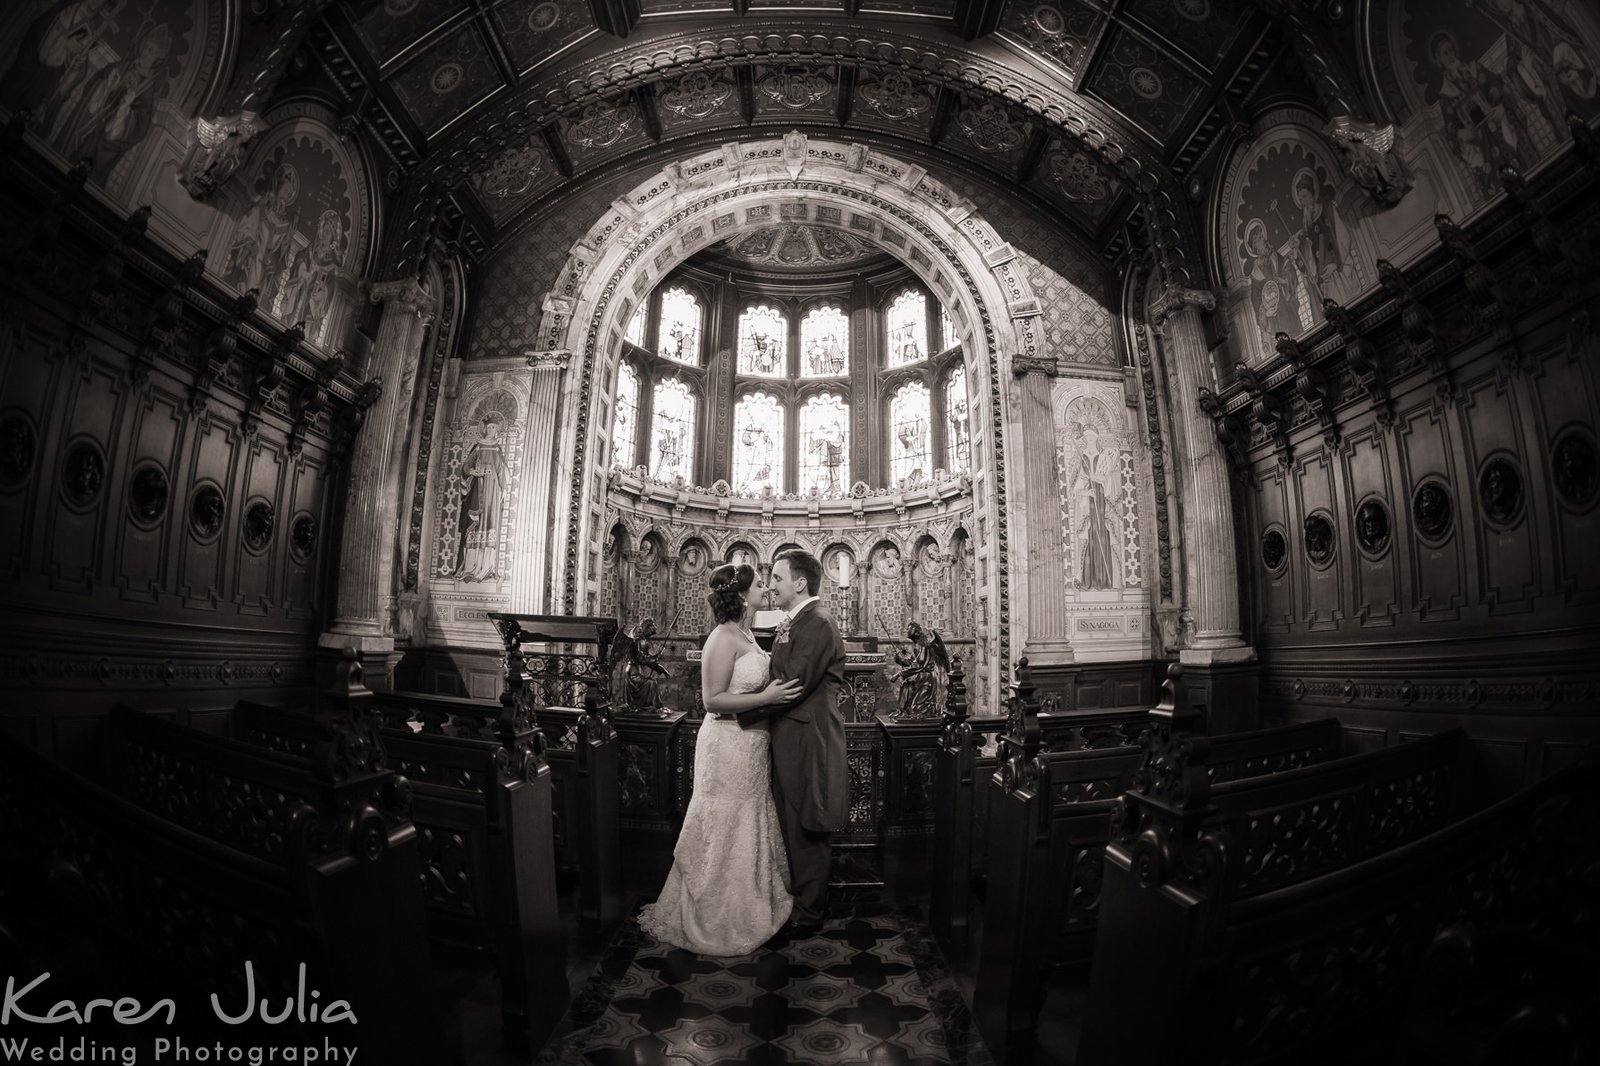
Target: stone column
533,571
1043,573
365,604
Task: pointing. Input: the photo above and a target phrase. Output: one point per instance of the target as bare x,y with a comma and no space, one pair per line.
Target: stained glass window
680,326
947,329
636,325
908,328
959,433
757,444
672,441
824,343
825,444
908,433
625,428
763,332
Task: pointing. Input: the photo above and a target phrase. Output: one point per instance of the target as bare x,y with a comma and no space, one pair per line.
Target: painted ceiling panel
1202,28
1143,84
938,8
895,102
392,26
534,30
447,79
788,91
1070,178
1064,31
603,130
989,133
516,177
697,100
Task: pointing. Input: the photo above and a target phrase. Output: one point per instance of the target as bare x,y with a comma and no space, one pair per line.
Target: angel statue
635,649
218,149
924,663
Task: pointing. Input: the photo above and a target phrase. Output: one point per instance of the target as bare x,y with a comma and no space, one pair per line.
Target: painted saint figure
483,471
264,240
1272,298
54,60
114,108
1095,476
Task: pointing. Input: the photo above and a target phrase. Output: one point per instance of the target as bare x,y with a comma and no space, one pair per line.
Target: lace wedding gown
727,892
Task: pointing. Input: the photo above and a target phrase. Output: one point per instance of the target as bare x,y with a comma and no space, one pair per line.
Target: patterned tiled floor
869,988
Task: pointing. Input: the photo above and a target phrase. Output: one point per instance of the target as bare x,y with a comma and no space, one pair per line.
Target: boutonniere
782,636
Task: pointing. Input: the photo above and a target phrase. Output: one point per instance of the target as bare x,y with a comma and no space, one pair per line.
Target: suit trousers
810,860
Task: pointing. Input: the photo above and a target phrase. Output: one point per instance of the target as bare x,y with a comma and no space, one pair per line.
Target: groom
809,777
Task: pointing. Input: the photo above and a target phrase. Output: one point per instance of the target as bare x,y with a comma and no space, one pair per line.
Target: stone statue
1371,158
635,649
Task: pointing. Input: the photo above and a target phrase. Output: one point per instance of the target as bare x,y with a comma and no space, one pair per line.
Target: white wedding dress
728,890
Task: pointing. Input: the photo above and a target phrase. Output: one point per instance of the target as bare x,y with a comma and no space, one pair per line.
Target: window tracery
958,434
824,342
672,449
763,333
908,434
825,445
907,323
681,317
758,444
625,427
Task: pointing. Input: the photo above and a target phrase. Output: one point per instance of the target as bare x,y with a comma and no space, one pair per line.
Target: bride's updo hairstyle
729,583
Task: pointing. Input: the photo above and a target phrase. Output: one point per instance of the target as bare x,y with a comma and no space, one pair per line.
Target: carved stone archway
709,197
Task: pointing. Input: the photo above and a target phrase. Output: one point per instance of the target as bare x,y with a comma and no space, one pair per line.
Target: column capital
1174,300
1023,365
405,293
556,359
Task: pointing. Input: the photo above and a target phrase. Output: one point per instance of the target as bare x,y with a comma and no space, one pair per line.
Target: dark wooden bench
202,860
1475,942
481,801
1050,821
558,674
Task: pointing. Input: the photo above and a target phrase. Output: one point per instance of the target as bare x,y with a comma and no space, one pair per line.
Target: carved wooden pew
1475,942
206,856
1050,821
481,801
1187,855
568,694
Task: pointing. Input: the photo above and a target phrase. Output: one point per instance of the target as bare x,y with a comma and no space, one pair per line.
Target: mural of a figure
115,106
483,471
1317,246
308,287
54,60
1271,284
1094,484
1484,129
265,238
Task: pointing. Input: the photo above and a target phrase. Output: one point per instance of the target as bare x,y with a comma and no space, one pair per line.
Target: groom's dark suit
810,779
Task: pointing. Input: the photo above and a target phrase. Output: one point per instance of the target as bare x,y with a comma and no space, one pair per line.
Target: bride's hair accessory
729,583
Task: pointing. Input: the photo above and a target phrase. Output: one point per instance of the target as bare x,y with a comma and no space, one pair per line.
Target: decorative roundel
206,511
258,521
1319,539
1574,469
447,77
544,17
1274,550
1432,511
84,473
303,536
1500,491
1049,20
399,7
18,446
1193,10
1372,526
1145,82
147,494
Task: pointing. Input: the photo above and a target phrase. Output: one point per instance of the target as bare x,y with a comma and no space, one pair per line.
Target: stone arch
691,204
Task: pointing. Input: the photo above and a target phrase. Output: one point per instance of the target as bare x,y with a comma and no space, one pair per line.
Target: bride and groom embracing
753,856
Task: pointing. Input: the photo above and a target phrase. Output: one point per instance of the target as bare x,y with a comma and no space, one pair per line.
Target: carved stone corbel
166,313
1422,332
220,345
1265,411
1230,434
270,375
1362,360
105,278
1371,157
313,401
1311,386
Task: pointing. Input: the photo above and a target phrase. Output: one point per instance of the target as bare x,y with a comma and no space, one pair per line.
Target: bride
727,893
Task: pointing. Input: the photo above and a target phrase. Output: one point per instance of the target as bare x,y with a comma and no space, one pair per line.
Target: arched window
825,445
947,329
625,426
763,340
959,435
824,343
635,332
672,444
907,323
680,326
908,433
757,444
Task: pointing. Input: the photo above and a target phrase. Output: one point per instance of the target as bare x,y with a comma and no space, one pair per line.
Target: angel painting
923,665
635,650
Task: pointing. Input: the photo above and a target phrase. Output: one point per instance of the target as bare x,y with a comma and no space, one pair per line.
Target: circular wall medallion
1432,511
1274,550
206,511
1372,526
1145,82
446,78
147,494
1193,10
83,474
1573,468
18,445
303,536
1050,21
258,522
1319,539
1500,491
543,17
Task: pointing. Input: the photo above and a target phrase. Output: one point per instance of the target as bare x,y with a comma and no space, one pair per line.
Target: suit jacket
808,734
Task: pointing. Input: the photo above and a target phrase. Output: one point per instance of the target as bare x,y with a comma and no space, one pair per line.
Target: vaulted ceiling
524,98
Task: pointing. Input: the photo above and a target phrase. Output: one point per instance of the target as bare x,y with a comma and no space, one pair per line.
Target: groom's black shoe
793,930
